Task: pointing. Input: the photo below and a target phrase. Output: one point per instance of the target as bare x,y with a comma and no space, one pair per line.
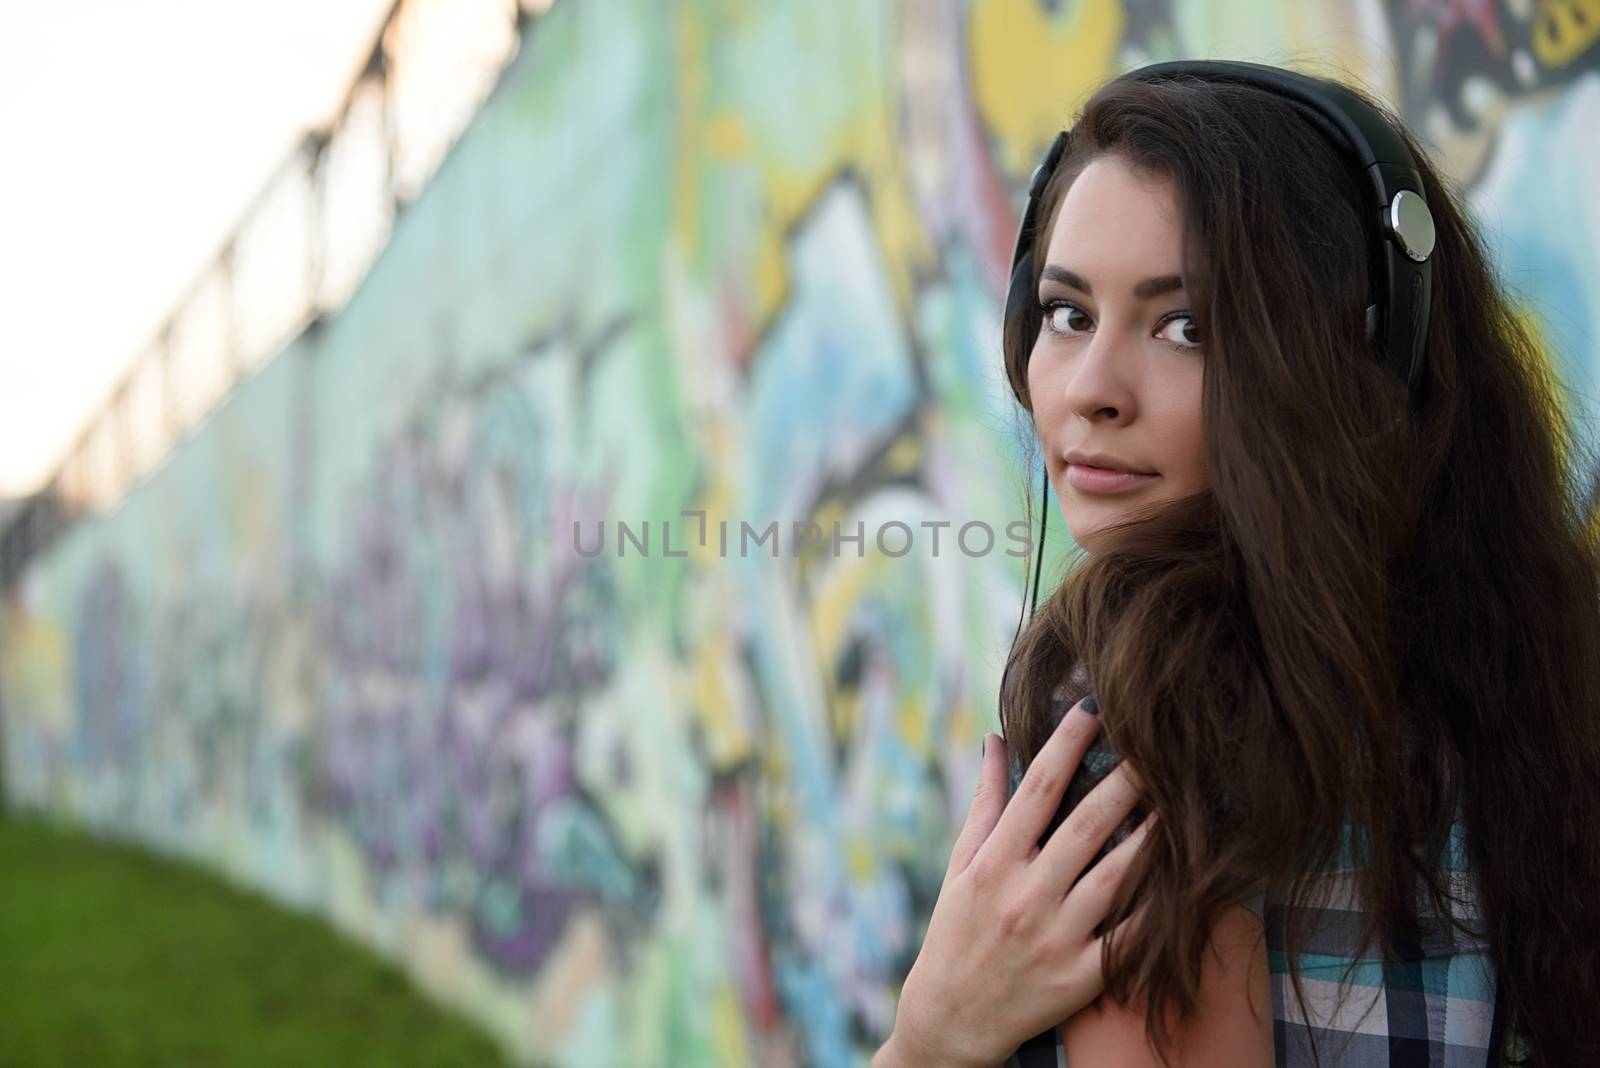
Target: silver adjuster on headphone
1410,223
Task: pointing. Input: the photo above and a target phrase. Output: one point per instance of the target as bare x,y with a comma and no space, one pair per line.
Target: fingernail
1091,706
983,746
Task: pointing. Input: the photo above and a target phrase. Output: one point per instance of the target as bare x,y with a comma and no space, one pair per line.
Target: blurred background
325,327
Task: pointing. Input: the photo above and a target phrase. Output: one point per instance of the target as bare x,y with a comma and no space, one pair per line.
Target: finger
1086,965
1088,902
1072,846
988,801
1119,935
1039,794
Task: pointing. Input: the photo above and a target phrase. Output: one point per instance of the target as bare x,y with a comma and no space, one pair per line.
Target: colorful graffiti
688,806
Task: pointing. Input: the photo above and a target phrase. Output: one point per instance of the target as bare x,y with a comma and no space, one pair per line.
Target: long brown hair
1374,613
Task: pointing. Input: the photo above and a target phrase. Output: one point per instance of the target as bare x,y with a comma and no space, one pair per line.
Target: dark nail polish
1091,706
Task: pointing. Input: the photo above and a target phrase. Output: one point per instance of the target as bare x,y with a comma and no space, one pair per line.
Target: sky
136,133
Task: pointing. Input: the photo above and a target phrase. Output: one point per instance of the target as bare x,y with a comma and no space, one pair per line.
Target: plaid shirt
1431,1008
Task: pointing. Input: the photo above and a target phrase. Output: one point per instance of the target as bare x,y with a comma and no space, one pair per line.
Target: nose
1100,385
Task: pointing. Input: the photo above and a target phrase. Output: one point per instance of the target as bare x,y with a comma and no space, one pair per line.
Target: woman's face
1115,373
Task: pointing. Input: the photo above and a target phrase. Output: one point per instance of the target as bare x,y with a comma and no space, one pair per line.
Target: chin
1088,524
1087,538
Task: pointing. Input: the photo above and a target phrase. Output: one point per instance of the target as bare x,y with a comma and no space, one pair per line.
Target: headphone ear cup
1020,327
1017,296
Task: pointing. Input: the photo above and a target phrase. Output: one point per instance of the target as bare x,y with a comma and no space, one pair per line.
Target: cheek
1188,445
1044,394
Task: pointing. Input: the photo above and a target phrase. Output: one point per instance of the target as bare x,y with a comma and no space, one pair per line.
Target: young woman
1343,636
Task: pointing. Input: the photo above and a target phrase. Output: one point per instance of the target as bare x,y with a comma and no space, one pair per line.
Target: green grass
110,956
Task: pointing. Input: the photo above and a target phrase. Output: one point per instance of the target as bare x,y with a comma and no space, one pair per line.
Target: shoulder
1232,1026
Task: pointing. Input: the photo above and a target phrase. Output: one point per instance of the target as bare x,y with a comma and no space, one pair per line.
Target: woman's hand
1011,949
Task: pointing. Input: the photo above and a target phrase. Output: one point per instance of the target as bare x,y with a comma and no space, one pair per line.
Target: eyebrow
1145,290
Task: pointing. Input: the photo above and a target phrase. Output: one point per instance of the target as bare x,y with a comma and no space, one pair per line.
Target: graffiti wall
510,619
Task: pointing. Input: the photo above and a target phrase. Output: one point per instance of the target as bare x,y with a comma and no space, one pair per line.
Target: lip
1103,461
1101,473
1087,479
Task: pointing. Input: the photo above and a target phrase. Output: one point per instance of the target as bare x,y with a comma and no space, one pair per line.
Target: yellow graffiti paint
727,137
728,741
728,1035
861,141
836,599
845,713
905,455
1031,67
911,721
689,52
36,671
1564,29
861,857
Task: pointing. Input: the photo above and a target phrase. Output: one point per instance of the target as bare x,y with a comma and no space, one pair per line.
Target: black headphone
1403,226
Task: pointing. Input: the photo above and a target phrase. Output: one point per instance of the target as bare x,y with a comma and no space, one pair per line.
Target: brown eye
1187,337
1065,320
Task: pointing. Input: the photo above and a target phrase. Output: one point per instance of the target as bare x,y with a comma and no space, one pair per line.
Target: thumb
988,801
